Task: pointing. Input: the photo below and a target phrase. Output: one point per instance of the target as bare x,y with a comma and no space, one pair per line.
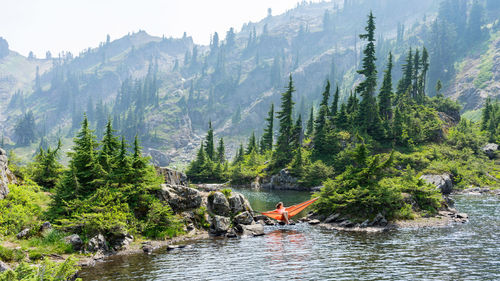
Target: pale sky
74,25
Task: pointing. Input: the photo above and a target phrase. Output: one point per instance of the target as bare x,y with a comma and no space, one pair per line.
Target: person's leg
285,216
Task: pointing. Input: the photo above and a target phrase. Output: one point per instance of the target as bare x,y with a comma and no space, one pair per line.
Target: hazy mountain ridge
245,76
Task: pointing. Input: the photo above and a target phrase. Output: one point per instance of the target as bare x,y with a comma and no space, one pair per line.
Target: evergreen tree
297,167
47,170
406,81
240,154
283,154
416,74
209,142
335,103
221,151
109,148
423,76
385,96
342,119
297,133
123,165
25,129
310,123
486,114
326,96
267,137
368,113
139,164
252,144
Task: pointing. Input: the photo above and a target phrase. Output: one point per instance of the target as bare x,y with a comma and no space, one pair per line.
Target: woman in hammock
282,211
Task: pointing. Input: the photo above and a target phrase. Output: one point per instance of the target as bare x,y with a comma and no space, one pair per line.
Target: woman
282,211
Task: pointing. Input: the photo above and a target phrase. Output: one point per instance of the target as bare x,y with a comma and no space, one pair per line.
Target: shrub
226,192
316,173
46,271
9,255
161,222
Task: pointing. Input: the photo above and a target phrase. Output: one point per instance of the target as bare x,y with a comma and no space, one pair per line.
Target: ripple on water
301,252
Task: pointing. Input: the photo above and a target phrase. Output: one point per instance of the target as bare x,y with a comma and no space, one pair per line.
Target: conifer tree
423,76
283,154
335,103
240,154
109,148
139,163
47,170
416,74
297,133
406,80
209,142
221,151
368,113
267,137
297,167
342,119
252,144
485,119
326,96
310,123
123,165
385,96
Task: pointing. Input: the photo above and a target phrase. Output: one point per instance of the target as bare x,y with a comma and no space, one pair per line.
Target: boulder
180,198
347,223
219,225
147,247
442,182
379,220
282,180
218,204
4,267
332,218
23,234
75,241
172,177
490,149
120,243
315,221
252,230
6,176
245,218
45,226
97,244
238,203
231,233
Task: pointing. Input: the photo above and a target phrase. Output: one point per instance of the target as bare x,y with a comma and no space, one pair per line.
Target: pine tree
368,113
240,154
123,165
405,82
47,170
283,154
139,164
297,133
297,167
486,114
267,137
423,76
385,96
252,144
109,148
209,142
221,151
335,103
342,119
326,96
310,123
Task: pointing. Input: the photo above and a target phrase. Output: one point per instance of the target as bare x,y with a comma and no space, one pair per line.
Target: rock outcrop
283,181
443,182
97,244
238,203
179,197
75,241
219,225
218,204
490,149
172,177
6,176
3,267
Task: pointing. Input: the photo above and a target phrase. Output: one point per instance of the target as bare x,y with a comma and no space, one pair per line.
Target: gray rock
490,149
180,198
219,225
23,234
252,230
147,248
462,216
315,221
45,226
97,244
238,203
172,177
364,224
245,218
284,181
3,152
332,218
377,220
6,176
231,233
123,242
4,267
75,241
347,223
158,157
442,182
218,204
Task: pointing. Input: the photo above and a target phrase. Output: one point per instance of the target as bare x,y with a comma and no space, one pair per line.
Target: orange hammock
292,210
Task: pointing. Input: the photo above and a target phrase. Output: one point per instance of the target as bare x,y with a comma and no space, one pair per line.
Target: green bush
226,192
316,173
9,255
161,223
46,271
22,208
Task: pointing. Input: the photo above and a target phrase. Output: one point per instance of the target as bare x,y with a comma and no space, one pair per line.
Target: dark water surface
468,251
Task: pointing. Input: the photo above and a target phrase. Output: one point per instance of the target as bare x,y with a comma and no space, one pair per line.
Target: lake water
468,251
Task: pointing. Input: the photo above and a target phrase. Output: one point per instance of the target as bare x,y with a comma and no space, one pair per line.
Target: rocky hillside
6,176
167,89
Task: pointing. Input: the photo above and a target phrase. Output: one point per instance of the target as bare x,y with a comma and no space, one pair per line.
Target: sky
75,25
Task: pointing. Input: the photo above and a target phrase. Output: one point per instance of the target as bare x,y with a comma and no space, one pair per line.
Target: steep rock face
478,77
172,177
442,182
283,180
6,176
180,198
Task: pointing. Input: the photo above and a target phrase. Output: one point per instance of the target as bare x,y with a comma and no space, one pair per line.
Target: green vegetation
46,270
370,152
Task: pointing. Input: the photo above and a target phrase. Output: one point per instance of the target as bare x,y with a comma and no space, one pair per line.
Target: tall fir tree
267,137
209,142
335,103
252,144
109,148
310,123
284,154
385,96
368,114
297,133
221,151
326,95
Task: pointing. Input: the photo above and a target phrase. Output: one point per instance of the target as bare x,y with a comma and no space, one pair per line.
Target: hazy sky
74,25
